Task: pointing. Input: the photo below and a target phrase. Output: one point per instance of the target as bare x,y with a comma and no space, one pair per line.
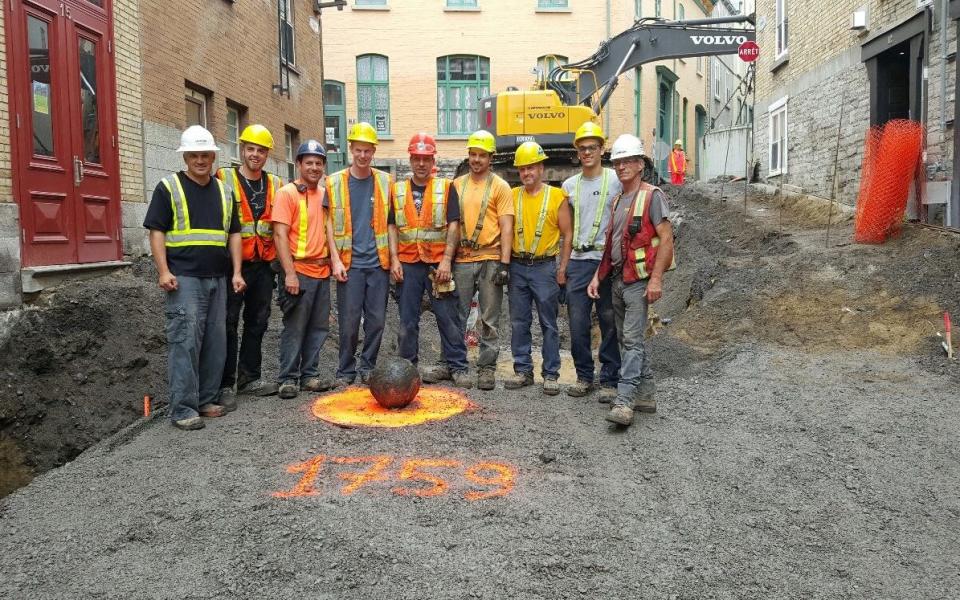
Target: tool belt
526,258
317,262
588,247
469,244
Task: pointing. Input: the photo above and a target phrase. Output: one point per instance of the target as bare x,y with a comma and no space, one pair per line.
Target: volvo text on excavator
577,92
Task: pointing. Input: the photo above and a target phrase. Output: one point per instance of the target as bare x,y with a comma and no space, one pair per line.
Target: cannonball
394,382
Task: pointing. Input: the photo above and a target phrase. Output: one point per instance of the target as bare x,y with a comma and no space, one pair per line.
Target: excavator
575,93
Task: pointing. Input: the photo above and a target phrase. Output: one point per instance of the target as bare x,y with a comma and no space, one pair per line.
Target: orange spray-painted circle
356,407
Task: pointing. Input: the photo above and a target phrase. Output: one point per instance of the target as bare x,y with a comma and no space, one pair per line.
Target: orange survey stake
146,406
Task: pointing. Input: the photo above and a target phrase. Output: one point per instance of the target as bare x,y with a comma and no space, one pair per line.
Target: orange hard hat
422,144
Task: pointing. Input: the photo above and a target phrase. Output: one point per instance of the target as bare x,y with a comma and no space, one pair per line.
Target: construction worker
542,217
195,238
424,231
589,194
483,259
254,190
359,205
638,249
678,164
299,219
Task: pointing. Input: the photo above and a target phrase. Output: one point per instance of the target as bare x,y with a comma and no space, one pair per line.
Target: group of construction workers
233,241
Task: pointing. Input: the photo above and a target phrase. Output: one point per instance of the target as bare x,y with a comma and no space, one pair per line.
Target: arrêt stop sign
748,51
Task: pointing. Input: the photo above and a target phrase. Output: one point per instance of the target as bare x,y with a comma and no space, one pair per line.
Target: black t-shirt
453,203
204,206
256,193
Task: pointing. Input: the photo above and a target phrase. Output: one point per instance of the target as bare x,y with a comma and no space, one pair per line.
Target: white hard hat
197,139
626,146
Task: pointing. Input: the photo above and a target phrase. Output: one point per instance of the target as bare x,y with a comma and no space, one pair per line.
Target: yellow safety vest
182,234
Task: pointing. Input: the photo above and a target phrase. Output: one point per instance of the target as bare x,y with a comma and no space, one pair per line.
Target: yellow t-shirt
550,237
471,199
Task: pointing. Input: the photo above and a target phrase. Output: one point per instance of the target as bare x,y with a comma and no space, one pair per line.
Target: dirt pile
75,369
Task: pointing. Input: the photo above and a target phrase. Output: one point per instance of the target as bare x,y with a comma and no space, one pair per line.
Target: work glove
287,301
562,298
502,276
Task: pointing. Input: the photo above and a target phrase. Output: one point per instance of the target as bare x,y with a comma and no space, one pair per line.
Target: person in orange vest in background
300,222
359,201
254,190
678,164
424,232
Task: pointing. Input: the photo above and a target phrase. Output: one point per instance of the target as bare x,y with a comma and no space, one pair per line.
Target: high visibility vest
182,235
338,192
423,236
257,234
678,161
470,241
640,240
590,243
518,236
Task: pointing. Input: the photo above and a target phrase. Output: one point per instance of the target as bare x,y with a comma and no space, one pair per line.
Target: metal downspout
606,120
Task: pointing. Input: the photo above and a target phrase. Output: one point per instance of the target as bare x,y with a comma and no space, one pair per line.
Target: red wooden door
64,128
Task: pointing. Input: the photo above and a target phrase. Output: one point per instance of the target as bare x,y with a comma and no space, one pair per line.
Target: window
371,2
461,3
637,9
715,62
778,137
656,8
551,4
461,82
546,64
782,38
291,139
373,91
196,107
681,12
235,121
287,45
700,66
684,117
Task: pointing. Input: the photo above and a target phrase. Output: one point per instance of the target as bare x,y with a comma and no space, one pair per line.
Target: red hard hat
422,144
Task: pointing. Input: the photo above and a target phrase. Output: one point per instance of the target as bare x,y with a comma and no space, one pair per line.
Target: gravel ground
800,451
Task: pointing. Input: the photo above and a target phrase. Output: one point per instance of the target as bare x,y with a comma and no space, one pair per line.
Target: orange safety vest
338,193
678,162
423,237
257,235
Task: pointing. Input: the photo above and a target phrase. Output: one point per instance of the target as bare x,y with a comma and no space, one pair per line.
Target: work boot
646,401
343,382
289,389
607,394
621,414
364,377
581,388
212,411
519,380
316,384
228,399
259,388
486,379
551,386
189,424
462,379
435,373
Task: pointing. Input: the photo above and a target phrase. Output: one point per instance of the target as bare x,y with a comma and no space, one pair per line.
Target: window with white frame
287,45
233,133
715,62
291,139
462,4
778,137
782,30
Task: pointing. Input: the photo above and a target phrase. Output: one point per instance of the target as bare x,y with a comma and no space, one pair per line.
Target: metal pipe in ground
836,160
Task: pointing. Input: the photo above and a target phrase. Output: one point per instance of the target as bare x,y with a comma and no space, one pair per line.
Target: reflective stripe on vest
597,217
673,162
409,234
640,254
301,250
182,234
481,217
541,219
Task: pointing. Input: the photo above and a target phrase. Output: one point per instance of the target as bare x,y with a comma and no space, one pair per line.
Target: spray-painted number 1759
420,477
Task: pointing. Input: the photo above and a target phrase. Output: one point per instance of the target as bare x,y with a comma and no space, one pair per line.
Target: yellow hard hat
589,130
362,132
482,140
257,134
529,153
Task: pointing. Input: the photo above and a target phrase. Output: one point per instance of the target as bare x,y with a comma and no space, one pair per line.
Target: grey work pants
305,329
471,277
196,343
630,315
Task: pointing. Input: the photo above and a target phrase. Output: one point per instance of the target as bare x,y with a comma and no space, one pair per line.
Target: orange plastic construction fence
892,162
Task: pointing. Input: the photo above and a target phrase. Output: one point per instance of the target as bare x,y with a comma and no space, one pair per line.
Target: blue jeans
196,342
579,309
446,311
305,329
254,303
534,284
363,294
630,312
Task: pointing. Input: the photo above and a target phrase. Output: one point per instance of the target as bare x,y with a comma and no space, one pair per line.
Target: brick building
75,177
883,59
380,67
